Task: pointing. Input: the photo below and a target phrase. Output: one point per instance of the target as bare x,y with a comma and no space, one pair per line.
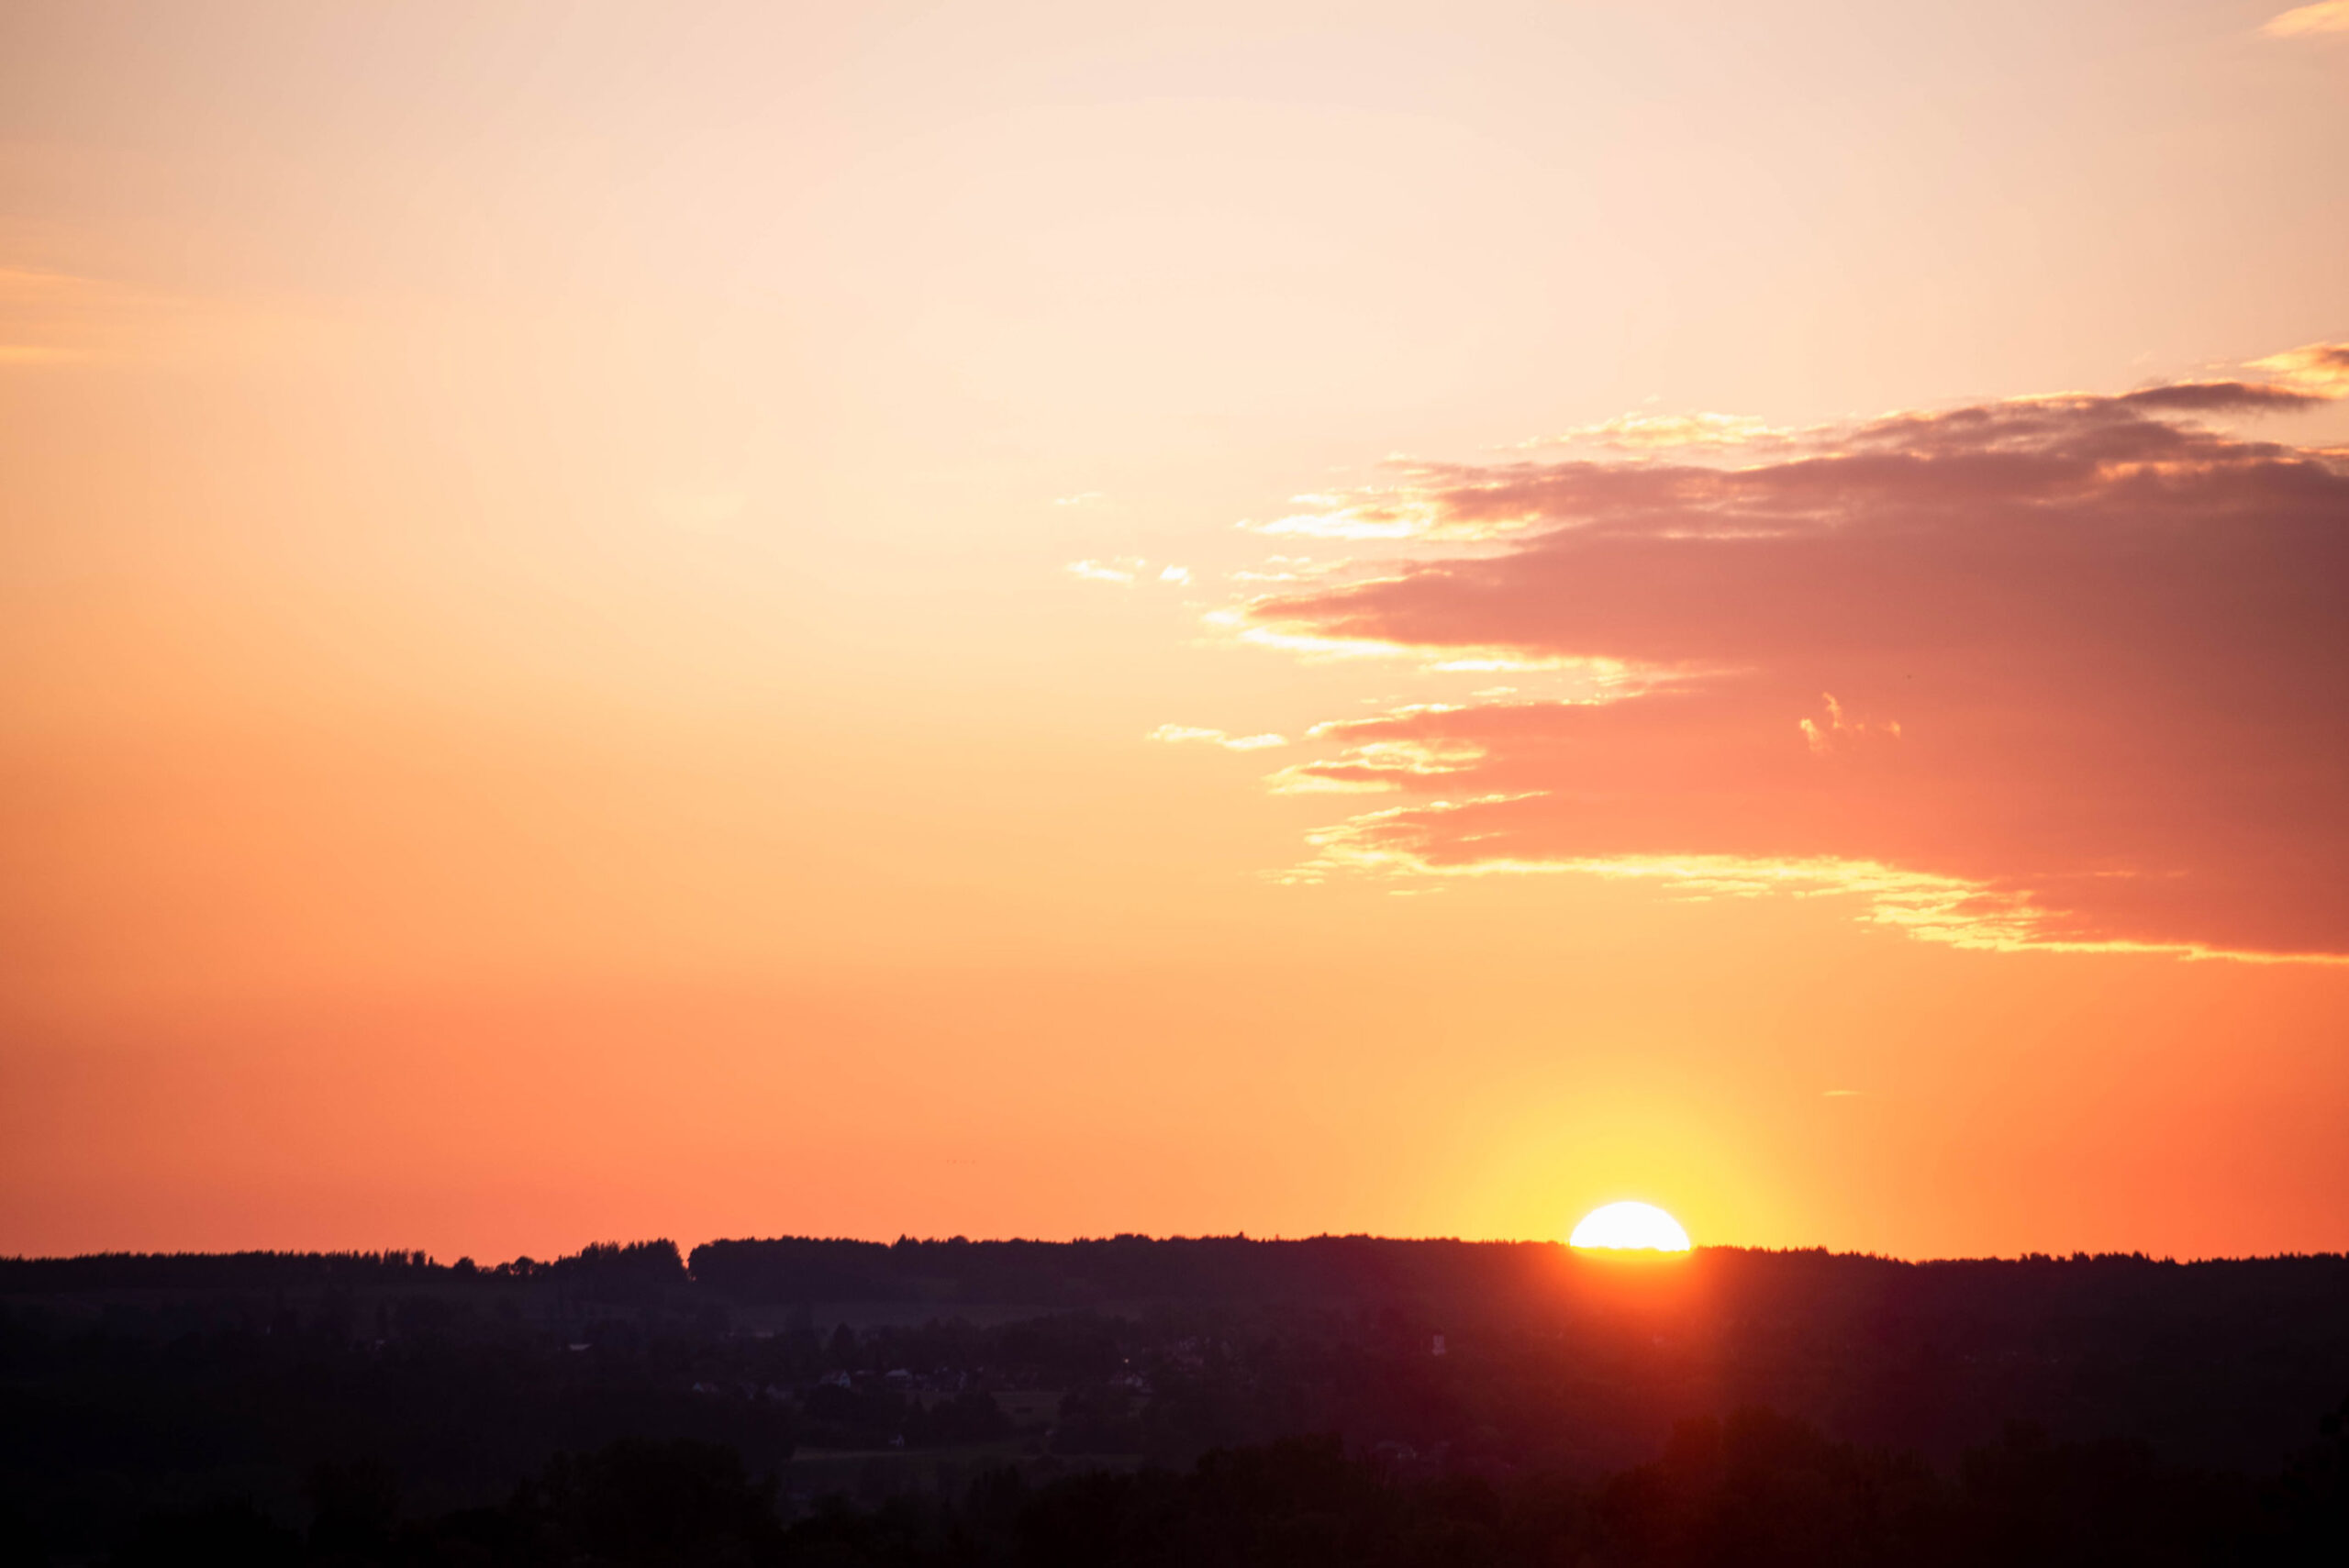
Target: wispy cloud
1394,513
1375,765
2321,369
2325,16
1125,569
1670,432
2086,653
1288,569
50,318
1182,734
1824,735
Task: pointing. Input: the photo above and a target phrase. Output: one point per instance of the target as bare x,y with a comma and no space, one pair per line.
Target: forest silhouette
1130,1400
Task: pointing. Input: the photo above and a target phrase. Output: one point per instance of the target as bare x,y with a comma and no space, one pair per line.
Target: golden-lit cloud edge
1947,910
1186,734
2305,21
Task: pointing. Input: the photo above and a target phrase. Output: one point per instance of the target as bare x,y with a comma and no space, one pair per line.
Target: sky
1050,620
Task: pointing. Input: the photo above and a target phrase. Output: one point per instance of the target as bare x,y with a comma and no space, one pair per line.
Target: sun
1630,1227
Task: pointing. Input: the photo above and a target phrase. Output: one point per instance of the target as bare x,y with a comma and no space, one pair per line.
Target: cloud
50,318
1177,734
2325,16
1377,765
1653,432
2088,663
1824,735
1364,514
1494,502
2321,369
1125,569
1288,569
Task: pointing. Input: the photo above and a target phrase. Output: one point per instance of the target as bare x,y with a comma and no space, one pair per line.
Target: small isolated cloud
1082,498
1178,734
1125,569
1678,432
2325,16
1288,569
1824,735
1367,515
2086,657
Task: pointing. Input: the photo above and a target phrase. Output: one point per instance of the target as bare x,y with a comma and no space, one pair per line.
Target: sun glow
1630,1227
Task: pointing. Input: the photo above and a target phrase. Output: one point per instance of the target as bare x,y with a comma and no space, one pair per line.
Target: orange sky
616,622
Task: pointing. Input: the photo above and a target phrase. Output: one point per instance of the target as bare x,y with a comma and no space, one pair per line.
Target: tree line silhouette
184,1389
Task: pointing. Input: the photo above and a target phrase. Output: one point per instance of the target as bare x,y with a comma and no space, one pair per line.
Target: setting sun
1630,1227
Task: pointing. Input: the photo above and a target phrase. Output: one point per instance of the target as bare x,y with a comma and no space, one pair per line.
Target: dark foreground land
1219,1401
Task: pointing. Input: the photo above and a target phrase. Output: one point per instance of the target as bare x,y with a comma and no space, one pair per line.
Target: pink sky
1061,620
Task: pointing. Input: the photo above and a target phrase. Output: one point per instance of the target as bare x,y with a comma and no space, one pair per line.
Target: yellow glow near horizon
1630,1227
